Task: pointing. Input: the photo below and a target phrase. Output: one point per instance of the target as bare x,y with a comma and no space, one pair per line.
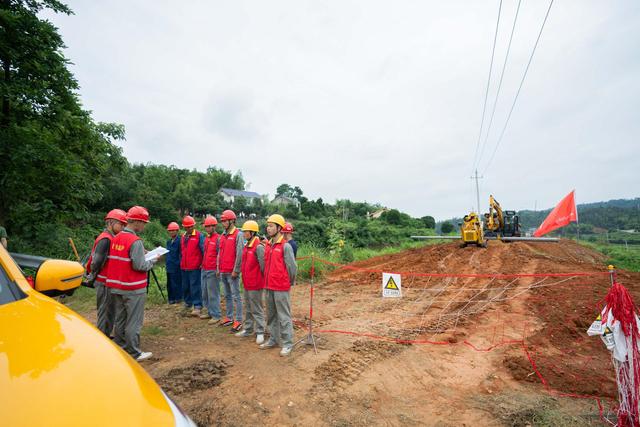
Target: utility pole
476,177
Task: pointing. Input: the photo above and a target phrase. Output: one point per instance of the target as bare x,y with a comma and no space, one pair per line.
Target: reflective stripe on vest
210,252
100,277
252,278
121,274
191,253
276,276
228,251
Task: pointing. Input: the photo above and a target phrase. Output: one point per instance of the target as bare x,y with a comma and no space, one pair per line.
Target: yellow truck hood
56,369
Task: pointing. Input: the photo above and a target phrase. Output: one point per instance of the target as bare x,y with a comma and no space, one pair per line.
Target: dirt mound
201,375
498,257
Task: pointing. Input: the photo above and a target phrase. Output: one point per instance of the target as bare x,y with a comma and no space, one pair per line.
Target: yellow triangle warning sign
391,284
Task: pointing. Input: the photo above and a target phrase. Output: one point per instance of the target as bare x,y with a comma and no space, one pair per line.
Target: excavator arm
495,217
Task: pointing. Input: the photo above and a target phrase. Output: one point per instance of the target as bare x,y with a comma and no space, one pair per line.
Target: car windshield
9,291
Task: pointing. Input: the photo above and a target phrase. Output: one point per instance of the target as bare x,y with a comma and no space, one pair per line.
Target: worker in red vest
192,251
229,260
96,268
210,283
280,271
172,264
127,280
253,282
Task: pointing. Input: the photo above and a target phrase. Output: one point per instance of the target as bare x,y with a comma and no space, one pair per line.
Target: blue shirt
294,246
172,259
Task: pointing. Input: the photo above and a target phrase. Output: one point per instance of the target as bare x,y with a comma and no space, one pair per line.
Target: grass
620,255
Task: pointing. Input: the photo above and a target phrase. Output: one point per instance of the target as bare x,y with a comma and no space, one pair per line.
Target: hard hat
138,213
250,226
277,219
118,215
173,226
227,215
188,221
288,228
210,220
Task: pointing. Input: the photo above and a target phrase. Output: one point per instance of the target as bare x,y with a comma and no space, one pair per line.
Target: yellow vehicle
471,231
499,223
56,369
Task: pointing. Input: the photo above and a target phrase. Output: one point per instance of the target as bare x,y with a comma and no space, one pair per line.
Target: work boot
243,333
286,350
268,344
236,326
213,321
144,356
195,312
259,338
204,314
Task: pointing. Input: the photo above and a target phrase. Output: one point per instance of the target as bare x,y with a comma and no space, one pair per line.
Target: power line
486,95
504,66
504,128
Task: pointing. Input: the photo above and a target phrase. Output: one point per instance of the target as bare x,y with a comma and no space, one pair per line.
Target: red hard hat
118,215
288,228
188,221
210,220
173,226
227,215
138,213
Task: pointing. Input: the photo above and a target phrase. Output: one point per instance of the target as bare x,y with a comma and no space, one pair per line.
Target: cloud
368,101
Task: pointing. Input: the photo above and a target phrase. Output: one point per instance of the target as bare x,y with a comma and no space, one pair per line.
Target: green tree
428,221
54,158
284,190
446,227
392,216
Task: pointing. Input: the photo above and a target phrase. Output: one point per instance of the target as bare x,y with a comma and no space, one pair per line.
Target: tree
284,190
54,158
428,221
392,216
446,227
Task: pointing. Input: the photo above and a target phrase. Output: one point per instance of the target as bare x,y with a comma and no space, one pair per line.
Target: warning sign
391,285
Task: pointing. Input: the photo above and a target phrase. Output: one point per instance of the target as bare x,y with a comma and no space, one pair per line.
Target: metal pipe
525,239
435,237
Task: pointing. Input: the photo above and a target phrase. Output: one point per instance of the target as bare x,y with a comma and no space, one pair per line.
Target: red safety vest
210,252
101,277
228,251
252,277
121,274
191,253
276,276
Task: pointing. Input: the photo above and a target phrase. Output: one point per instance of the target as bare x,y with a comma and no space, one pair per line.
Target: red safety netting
517,313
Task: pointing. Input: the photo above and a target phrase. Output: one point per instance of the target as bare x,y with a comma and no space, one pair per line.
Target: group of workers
197,264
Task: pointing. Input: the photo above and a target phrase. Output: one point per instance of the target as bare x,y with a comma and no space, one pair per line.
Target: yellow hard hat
250,226
277,219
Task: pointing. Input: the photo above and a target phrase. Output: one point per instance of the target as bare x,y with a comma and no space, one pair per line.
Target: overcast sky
369,100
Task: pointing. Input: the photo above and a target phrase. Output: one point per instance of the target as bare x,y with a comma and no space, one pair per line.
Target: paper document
157,252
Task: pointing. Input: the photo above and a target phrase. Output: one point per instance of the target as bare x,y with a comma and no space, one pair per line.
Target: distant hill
618,214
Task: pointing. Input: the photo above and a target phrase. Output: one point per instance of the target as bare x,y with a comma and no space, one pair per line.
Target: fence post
612,274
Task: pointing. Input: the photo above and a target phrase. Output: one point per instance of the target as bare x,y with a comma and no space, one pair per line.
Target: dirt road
452,351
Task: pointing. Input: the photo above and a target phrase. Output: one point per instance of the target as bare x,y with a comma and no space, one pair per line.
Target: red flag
564,213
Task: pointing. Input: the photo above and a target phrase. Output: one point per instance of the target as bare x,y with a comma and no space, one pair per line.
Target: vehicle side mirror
56,277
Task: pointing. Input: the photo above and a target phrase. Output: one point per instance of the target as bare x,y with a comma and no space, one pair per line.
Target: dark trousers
192,288
174,286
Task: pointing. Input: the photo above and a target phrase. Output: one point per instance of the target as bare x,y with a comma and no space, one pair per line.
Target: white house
229,195
285,201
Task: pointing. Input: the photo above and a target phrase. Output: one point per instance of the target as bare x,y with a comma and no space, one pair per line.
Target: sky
372,101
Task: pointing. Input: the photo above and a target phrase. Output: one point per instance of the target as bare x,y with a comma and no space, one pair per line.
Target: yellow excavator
499,223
